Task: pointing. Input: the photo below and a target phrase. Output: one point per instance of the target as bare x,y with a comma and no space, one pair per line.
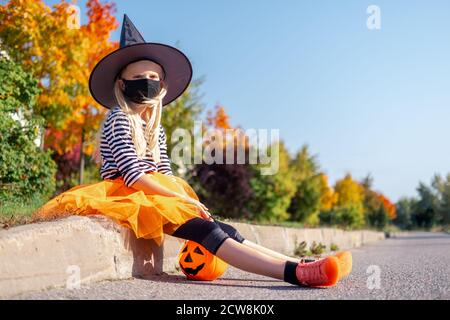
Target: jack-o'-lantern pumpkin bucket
197,263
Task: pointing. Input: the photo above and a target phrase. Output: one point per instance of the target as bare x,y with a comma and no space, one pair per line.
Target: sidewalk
55,254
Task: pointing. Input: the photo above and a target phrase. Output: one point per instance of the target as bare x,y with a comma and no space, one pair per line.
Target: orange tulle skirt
148,215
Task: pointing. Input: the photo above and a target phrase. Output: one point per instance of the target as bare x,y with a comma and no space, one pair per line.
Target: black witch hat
176,66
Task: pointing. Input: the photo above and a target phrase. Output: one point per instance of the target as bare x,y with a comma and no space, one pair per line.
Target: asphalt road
410,266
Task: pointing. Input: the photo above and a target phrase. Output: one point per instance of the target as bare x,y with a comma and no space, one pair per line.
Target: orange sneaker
345,263
320,273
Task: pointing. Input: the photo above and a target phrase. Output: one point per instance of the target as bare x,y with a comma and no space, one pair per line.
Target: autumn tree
223,187
329,197
388,205
60,53
349,209
378,209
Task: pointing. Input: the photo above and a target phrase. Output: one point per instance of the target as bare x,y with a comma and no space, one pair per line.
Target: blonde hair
143,141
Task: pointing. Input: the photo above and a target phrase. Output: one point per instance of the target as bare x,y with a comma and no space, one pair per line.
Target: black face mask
141,89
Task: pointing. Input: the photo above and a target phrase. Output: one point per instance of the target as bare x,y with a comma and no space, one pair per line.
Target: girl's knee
231,231
207,233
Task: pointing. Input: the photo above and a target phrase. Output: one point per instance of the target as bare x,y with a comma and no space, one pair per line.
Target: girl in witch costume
138,189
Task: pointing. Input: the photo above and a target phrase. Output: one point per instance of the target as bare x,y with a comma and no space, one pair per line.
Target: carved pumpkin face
197,263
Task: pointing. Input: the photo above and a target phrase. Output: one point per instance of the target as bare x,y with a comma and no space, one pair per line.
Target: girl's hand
203,209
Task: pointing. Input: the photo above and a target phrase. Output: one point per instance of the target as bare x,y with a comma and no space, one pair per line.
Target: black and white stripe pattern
119,157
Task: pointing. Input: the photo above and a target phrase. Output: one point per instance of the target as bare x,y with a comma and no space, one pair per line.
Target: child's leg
269,251
233,233
345,258
248,259
210,235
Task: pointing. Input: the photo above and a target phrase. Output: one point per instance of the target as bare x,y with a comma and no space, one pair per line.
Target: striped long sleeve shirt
119,157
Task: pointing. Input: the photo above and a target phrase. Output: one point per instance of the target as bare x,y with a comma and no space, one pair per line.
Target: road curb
78,249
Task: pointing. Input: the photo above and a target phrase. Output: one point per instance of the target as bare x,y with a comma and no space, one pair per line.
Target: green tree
442,187
25,170
272,193
425,211
405,208
378,218
306,202
307,199
182,113
304,165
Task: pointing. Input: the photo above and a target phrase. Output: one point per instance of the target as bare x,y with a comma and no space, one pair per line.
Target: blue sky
365,101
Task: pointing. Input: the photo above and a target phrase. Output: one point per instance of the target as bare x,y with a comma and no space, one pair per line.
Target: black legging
209,234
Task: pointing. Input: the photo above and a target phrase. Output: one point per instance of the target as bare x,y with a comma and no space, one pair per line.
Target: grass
334,247
300,249
15,213
315,249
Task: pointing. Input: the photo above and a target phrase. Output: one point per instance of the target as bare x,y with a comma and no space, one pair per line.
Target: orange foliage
329,198
219,121
390,207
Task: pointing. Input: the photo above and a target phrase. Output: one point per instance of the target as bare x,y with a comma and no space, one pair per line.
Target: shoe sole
345,263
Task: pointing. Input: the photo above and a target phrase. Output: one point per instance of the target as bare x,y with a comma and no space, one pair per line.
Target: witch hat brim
176,66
